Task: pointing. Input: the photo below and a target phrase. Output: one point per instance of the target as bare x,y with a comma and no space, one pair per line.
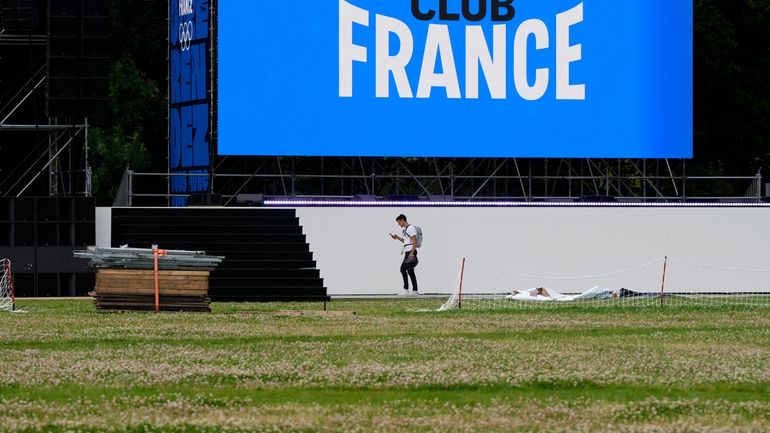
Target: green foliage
115,150
122,137
133,133
732,95
137,102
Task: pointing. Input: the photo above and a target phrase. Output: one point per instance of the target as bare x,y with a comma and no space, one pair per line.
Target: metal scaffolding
452,179
54,158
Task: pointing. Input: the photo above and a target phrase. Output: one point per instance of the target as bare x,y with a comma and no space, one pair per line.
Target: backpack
418,244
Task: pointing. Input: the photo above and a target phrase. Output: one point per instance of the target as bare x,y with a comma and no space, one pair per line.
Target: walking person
409,239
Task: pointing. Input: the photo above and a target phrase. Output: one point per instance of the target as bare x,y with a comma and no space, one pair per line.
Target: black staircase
267,257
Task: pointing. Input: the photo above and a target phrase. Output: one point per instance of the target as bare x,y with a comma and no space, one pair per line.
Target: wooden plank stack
125,279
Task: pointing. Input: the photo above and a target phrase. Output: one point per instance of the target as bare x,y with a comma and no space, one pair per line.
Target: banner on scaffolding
189,99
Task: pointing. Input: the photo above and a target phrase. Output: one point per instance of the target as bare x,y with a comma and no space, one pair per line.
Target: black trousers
408,270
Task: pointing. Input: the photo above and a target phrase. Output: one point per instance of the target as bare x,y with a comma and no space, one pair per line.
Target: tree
133,133
120,138
732,95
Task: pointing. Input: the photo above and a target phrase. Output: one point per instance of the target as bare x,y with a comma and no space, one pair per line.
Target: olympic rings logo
186,35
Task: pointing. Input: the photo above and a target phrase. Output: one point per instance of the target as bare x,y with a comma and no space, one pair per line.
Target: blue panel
200,143
175,79
198,82
189,89
615,78
175,139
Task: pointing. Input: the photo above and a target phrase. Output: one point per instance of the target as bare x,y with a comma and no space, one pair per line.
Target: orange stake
460,294
155,253
663,279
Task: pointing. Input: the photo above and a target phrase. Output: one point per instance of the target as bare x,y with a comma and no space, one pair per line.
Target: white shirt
407,235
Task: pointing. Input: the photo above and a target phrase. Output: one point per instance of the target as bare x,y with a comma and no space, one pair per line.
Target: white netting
686,283
6,285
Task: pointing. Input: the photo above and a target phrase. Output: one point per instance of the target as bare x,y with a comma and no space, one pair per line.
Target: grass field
384,366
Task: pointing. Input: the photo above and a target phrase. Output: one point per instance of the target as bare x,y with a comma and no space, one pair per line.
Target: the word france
490,57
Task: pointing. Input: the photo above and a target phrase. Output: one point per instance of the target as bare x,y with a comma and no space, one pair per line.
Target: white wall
103,227
356,256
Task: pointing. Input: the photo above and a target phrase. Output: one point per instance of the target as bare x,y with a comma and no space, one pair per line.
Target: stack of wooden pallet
125,278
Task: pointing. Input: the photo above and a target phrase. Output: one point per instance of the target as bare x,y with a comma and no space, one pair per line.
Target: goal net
6,286
664,281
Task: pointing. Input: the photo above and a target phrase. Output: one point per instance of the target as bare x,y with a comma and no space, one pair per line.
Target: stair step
275,256
266,273
182,220
213,238
204,212
266,264
315,297
247,293
238,251
217,282
275,247
224,228
263,248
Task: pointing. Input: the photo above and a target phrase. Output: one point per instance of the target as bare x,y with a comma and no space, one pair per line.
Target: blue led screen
455,78
189,98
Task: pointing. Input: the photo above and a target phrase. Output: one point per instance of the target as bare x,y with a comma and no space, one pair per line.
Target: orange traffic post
663,279
460,292
155,253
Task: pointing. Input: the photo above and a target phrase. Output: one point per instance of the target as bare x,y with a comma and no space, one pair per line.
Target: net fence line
664,281
721,268
575,277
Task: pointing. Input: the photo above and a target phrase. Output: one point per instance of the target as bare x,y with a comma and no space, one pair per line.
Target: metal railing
143,189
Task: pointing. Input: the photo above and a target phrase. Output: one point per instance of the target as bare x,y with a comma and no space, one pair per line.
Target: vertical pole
155,267
157,253
460,294
684,180
70,168
168,109
529,180
212,41
663,279
53,184
87,162
130,187
10,282
34,249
